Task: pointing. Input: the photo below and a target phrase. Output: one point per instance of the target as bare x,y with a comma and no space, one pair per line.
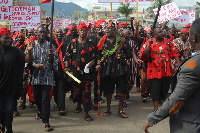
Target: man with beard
59,76
159,51
112,55
182,106
80,56
44,61
12,62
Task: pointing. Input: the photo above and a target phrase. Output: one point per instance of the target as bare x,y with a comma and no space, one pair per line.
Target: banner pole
137,13
25,34
111,12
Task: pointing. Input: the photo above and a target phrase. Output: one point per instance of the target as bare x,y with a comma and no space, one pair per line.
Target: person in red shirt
158,51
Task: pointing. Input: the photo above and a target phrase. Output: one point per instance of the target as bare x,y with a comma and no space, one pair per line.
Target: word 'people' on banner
168,12
5,9
61,22
26,16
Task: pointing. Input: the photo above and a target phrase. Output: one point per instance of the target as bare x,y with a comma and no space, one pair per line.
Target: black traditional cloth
60,73
68,39
111,63
12,62
78,56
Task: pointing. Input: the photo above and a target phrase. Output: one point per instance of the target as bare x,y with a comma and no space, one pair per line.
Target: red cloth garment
31,39
125,24
58,50
99,22
4,31
70,28
159,58
45,1
84,26
21,46
83,52
187,30
100,45
171,37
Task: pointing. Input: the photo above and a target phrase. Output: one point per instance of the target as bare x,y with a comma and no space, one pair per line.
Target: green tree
125,9
38,2
197,8
155,4
76,15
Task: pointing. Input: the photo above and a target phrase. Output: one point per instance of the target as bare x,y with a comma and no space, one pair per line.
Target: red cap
4,31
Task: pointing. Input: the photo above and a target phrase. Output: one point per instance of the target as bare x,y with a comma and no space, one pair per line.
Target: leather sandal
77,110
48,128
107,113
38,116
122,114
2,128
88,118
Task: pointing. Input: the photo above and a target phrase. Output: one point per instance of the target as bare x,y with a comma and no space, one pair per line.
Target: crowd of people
113,57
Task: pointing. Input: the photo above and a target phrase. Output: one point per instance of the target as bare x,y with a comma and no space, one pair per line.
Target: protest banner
130,1
25,16
5,9
61,22
188,16
168,12
183,19
191,15
111,1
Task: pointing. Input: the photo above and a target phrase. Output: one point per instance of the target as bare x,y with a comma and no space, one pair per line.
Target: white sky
88,4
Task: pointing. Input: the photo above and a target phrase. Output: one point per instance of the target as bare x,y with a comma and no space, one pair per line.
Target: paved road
74,123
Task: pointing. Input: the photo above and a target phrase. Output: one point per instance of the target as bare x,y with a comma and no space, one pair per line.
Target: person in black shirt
12,62
59,76
79,57
112,55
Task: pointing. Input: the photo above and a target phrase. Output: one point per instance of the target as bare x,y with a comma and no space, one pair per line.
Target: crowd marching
109,56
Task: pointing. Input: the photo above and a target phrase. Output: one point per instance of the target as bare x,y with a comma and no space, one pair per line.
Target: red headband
72,27
84,26
187,30
99,22
4,31
125,24
22,34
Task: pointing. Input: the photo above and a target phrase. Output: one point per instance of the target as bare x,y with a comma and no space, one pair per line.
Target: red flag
45,1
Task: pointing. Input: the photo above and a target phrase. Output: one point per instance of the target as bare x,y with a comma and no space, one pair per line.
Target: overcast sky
88,4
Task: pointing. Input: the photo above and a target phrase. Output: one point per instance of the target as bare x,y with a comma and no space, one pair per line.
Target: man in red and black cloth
71,34
78,58
159,51
59,76
21,45
99,30
112,55
122,26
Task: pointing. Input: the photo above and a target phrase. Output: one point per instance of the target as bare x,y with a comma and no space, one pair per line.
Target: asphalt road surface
136,110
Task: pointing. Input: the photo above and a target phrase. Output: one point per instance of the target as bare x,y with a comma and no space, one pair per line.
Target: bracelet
98,63
66,67
147,49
